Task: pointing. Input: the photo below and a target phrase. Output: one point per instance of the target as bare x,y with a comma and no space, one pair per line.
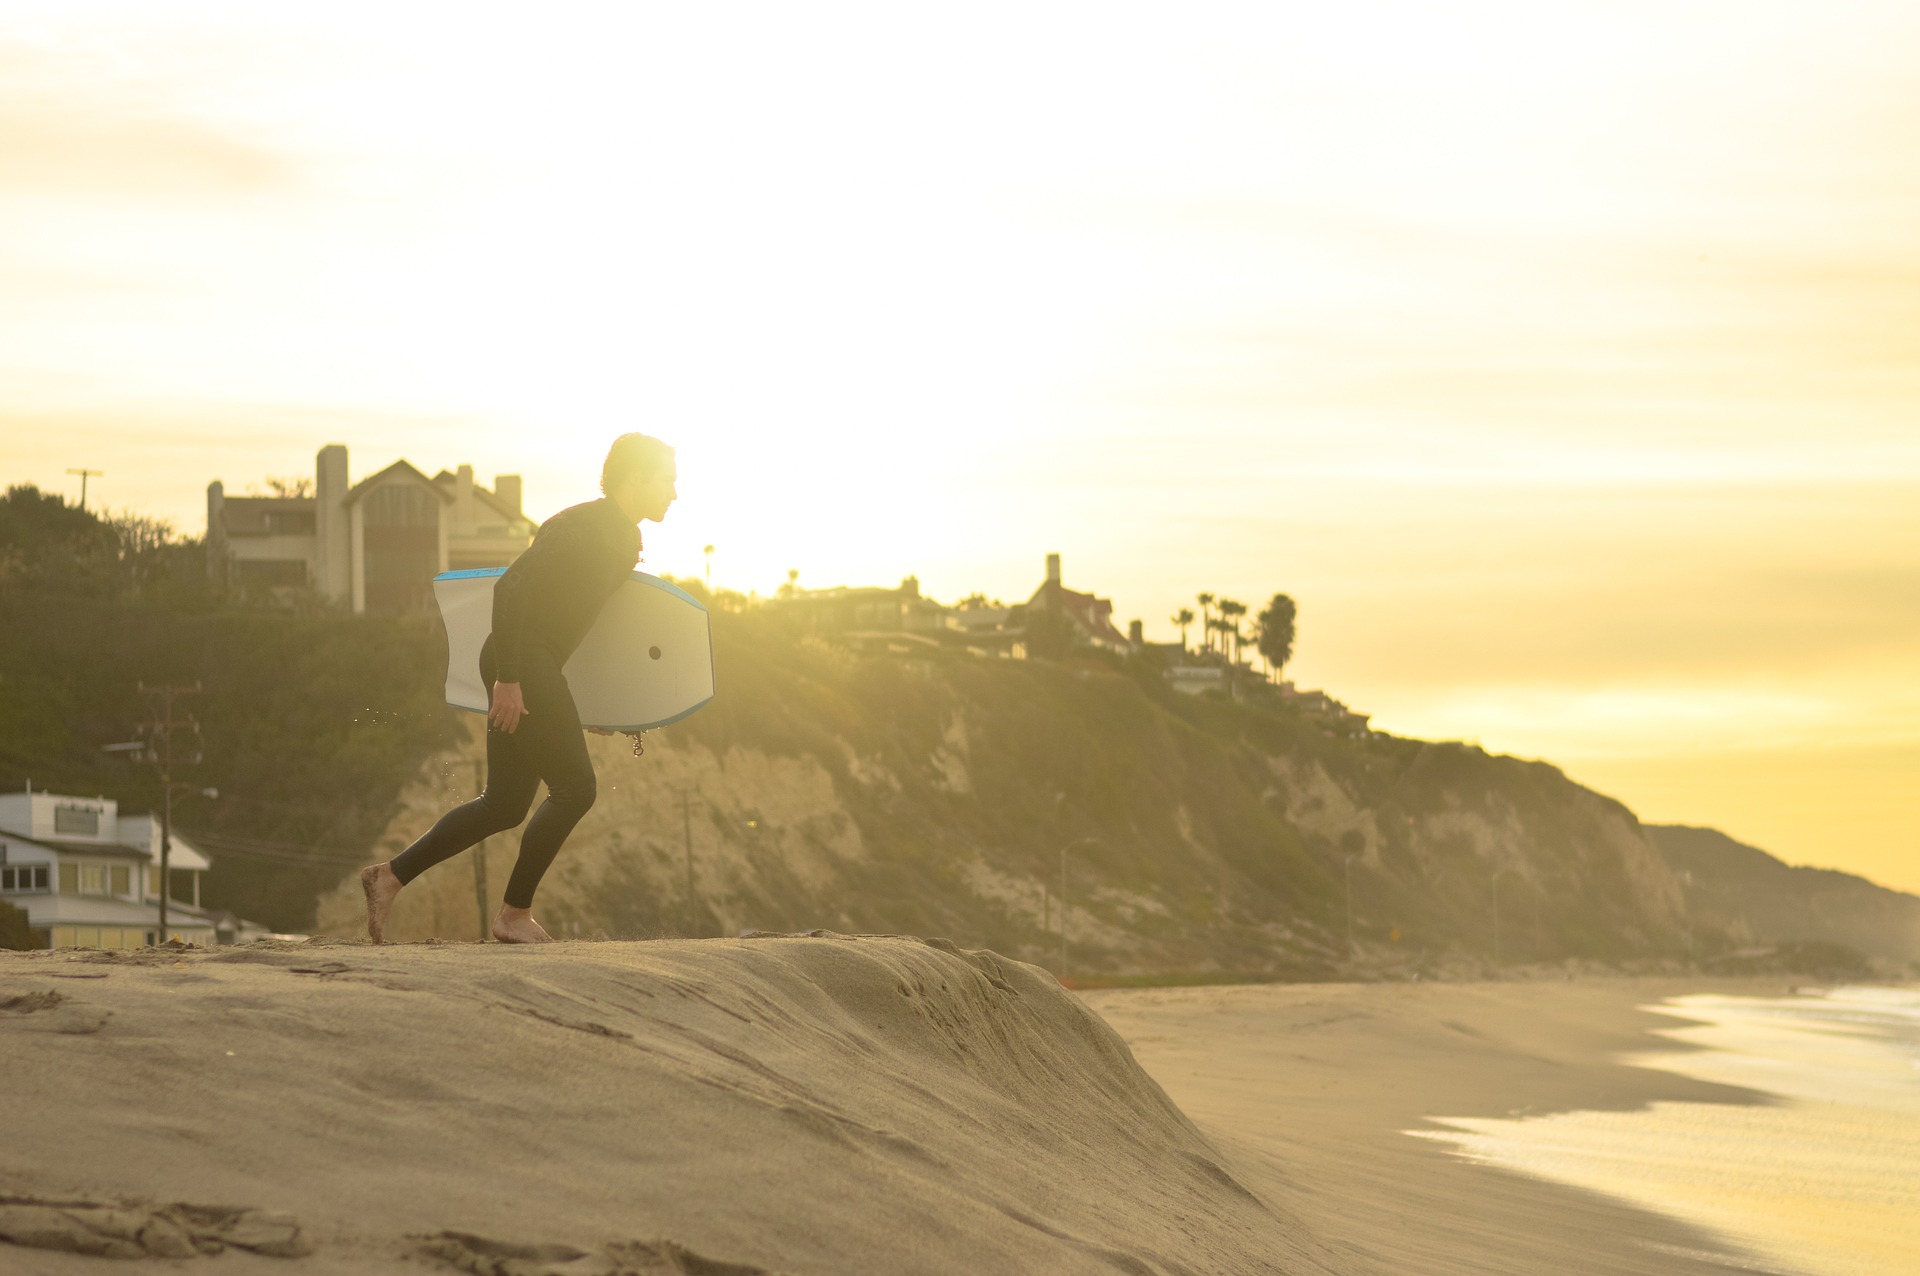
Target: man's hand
508,708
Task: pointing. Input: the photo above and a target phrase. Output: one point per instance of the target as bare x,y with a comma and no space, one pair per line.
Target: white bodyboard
647,661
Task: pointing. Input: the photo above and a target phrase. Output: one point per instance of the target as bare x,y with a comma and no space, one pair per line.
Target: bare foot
381,886
516,926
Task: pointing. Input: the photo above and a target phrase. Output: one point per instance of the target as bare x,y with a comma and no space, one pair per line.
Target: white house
89,877
374,545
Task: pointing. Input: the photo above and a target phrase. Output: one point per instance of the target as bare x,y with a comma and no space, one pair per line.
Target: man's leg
559,751
511,782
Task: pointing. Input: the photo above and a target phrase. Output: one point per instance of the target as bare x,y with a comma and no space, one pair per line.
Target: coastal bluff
795,1103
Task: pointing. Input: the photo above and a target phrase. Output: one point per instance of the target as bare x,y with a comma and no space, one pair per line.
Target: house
1091,617
89,877
867,614
1338,719
375,545
984,628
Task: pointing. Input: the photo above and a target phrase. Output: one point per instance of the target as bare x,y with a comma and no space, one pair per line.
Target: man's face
647,496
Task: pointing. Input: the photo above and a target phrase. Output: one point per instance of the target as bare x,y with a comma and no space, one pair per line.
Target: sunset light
1560,360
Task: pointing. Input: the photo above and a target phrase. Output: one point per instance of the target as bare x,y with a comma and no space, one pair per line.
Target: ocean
1819,1176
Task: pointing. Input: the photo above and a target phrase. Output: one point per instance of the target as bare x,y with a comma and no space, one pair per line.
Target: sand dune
794,1104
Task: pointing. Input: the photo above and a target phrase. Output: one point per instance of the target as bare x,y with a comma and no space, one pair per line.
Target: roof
485,497
402,468
54,909
1094,615
115,850
180,855
251,515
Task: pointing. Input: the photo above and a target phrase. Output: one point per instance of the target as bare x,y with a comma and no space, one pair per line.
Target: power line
280,852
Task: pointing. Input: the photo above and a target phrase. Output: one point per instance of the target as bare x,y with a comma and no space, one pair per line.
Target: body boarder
542,607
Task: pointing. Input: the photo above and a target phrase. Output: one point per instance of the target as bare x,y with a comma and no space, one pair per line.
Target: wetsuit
542,608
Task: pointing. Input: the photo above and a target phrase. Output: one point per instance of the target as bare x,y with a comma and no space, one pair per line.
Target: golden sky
1562,360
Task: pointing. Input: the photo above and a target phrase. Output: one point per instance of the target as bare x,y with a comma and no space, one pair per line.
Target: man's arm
557,554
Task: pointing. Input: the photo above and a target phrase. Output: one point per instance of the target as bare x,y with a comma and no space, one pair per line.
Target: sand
827,1105
796,1104
1306,1090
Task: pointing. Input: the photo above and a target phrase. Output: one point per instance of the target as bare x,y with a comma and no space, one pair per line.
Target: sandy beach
795,1104
1308,1089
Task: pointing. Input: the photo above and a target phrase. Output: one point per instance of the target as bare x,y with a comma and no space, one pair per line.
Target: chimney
1053,569
507,488
217,532
463,498
333,563
1136,634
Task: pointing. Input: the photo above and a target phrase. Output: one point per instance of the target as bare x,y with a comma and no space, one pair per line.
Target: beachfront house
1090,617
87,876
373,546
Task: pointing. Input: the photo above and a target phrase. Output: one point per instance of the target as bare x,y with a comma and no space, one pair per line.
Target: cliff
937,796
1739,895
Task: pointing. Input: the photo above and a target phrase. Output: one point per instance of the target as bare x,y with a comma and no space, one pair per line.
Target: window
93,879
290,522
76,821
23,877
270,573
122,879
69,879
153,881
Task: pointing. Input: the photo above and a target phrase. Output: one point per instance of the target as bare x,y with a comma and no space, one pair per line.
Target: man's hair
632,454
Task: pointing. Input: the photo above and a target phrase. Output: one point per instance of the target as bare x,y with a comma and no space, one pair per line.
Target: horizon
1558,365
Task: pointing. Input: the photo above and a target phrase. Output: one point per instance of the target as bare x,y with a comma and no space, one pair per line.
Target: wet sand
1307,1091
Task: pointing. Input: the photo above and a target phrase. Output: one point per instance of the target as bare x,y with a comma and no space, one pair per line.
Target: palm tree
1230,613
1276,632
1183,618
708,551
1206,617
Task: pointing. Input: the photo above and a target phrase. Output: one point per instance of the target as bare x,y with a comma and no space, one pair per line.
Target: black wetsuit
542,608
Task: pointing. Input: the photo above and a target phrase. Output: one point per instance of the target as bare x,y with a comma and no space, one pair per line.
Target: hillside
311,724
1750,897
935,795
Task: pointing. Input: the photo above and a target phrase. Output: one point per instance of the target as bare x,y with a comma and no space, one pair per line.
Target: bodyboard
647,661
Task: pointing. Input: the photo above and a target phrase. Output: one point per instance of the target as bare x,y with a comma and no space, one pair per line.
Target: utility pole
84,474
1347,866
1078,841
686,826
1496,914
480,853
160,750
1063,912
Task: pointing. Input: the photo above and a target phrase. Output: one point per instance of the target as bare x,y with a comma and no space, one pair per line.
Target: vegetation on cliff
938,794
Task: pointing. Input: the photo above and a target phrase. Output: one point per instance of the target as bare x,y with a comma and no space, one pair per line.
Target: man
542,607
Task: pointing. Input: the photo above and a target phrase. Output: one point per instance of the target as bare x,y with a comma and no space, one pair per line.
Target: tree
1230,613
1206,614
1049,634
15,932
1276,631
294,487
1183,618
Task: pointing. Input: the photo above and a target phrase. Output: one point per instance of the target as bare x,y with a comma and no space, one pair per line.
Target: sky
1562,362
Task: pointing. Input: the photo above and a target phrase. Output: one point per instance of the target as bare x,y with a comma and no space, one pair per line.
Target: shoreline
1308,1091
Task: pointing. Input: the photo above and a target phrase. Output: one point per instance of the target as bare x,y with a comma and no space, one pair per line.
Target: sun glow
1560,361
